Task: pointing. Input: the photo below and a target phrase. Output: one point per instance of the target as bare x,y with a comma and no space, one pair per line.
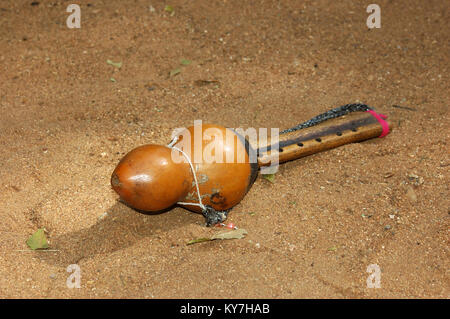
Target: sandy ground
65,124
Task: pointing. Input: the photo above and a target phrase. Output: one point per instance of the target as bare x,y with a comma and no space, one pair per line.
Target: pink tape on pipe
381,119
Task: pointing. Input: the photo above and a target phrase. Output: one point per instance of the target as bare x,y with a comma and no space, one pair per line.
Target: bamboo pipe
350,128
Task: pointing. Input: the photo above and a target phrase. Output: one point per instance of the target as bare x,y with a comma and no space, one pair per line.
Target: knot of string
199,204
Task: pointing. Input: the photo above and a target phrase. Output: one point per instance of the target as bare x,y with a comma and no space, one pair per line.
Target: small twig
49,250
404,107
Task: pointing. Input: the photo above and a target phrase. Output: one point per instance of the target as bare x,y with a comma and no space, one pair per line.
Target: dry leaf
198,240
233,234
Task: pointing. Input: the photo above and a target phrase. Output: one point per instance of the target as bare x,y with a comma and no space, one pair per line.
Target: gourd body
156,177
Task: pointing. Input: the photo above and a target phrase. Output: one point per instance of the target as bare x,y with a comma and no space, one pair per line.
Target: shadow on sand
120,228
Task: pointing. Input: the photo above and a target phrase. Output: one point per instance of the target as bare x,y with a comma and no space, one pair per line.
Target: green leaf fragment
269,177
116,64
38,240
168,8
185,62
112,80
